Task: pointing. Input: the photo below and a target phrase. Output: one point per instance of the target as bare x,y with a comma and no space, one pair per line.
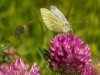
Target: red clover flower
69,53
18,67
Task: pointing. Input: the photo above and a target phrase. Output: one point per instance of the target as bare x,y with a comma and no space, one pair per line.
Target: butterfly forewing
52,21
56,11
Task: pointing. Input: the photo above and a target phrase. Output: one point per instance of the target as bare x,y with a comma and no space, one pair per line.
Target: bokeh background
26,13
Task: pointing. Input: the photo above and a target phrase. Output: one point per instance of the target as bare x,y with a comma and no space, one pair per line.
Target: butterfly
55,20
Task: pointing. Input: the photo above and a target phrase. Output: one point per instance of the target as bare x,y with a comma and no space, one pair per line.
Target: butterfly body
55,20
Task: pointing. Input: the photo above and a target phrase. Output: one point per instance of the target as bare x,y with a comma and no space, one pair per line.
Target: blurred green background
27,13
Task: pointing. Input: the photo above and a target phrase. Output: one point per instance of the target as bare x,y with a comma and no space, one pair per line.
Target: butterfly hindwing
53,22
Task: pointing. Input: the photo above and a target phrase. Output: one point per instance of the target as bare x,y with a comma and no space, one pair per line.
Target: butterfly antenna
79,22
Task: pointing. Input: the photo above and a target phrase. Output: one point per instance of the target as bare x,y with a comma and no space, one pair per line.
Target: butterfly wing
67,26
53,22
56,11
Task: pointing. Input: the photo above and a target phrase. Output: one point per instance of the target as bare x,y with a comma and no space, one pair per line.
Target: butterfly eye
67,25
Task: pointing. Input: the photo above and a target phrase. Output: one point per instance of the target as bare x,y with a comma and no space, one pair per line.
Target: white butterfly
55,20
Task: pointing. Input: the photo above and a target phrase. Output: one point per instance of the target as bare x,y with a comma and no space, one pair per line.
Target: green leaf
43,53
48,66
4,44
